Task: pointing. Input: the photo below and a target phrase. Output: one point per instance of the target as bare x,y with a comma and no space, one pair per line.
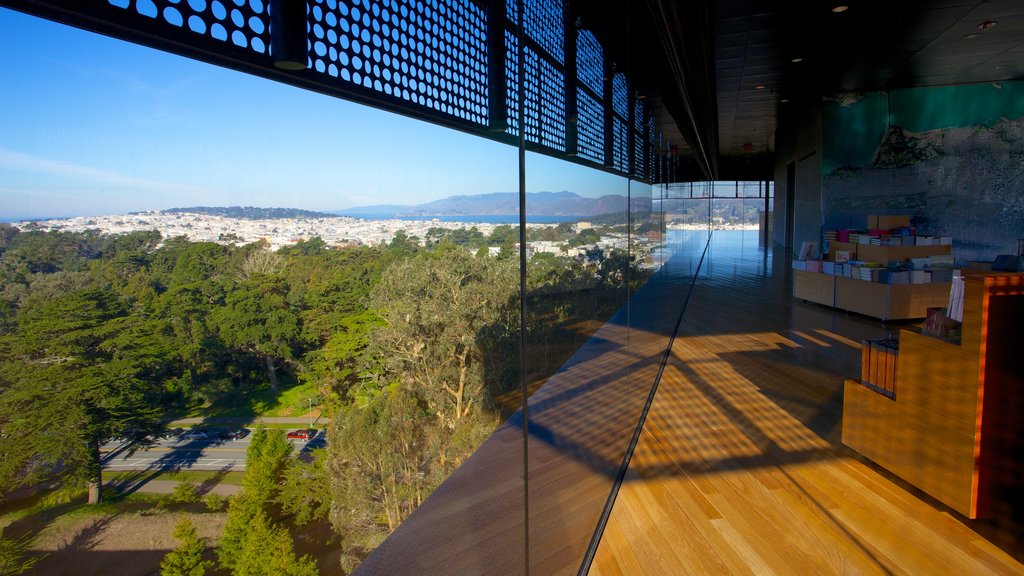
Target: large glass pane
577,285
198,262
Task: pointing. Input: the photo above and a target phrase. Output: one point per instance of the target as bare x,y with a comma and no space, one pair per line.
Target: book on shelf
899,277
808,250
955,308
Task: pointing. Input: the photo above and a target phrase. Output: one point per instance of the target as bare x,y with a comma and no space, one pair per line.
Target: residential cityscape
335,231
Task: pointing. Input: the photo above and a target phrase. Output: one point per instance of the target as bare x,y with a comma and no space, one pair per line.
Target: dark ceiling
763,59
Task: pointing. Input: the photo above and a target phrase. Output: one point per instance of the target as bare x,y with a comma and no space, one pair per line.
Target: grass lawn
38,510
291,399
197,476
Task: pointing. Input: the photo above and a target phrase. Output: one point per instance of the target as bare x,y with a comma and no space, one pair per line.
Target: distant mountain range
563,204
251,212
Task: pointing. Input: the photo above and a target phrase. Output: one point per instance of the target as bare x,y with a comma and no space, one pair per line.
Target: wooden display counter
890,301
814,287
948,430
883,301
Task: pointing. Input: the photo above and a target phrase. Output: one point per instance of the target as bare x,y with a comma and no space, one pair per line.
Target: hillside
250,212
566,204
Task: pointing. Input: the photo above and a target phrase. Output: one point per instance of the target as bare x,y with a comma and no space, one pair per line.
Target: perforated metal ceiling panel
425,58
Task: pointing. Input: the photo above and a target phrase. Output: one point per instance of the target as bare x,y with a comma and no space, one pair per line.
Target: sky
90,125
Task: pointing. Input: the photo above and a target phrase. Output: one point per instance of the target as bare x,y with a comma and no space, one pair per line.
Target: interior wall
798,140
950,157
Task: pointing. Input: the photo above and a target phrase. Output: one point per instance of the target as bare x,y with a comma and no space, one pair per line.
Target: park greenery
411,348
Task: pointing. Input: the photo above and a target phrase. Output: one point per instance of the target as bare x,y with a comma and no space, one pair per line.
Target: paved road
190,454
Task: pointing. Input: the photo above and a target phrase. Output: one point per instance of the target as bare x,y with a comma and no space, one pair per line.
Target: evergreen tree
70,387
187,558
12,556
257,320
265,461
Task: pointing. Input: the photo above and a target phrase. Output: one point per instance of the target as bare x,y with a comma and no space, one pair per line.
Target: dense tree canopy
412,347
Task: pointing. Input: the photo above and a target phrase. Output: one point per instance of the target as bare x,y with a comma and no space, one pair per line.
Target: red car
301,434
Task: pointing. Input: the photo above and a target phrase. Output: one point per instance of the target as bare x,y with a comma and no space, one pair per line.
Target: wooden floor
740,469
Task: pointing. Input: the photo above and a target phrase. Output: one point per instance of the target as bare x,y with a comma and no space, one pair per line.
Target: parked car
193,435
302,434
238,434
172,432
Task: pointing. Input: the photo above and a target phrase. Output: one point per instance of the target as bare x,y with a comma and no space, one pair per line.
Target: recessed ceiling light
796,60
840,8
987,24
971,35
759,87
784,100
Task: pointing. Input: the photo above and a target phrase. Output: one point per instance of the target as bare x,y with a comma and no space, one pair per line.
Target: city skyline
96,126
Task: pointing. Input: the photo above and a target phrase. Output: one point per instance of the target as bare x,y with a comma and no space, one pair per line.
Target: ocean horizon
483,219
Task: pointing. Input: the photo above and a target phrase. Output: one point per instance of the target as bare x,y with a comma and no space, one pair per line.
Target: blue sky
93,125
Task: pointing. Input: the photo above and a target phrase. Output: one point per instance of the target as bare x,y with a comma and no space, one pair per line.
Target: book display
888,273
937,412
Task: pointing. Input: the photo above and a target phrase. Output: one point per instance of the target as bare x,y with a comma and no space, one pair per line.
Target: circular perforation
590,127
512,82
590,62
430,52
244,23
545,25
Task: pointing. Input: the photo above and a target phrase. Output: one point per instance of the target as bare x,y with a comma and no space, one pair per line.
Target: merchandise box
879,222
834,248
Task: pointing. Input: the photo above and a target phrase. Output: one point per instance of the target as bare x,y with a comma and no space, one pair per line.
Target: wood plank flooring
740,469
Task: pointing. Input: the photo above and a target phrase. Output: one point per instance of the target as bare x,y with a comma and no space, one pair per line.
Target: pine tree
268,551
187,558
265,461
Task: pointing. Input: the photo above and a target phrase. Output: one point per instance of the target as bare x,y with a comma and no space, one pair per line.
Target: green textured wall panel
923,109
852,130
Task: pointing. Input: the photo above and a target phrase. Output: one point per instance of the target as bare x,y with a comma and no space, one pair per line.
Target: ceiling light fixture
784,100
796,60
987,24
759,87
971,35
840,9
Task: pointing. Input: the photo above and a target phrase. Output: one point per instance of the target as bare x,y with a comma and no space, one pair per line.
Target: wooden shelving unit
946,430
883,301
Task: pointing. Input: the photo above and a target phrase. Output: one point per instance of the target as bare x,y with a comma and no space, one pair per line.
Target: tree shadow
87,538
206,486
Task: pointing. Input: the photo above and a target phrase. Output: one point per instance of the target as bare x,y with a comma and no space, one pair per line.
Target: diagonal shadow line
769,446
606,512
